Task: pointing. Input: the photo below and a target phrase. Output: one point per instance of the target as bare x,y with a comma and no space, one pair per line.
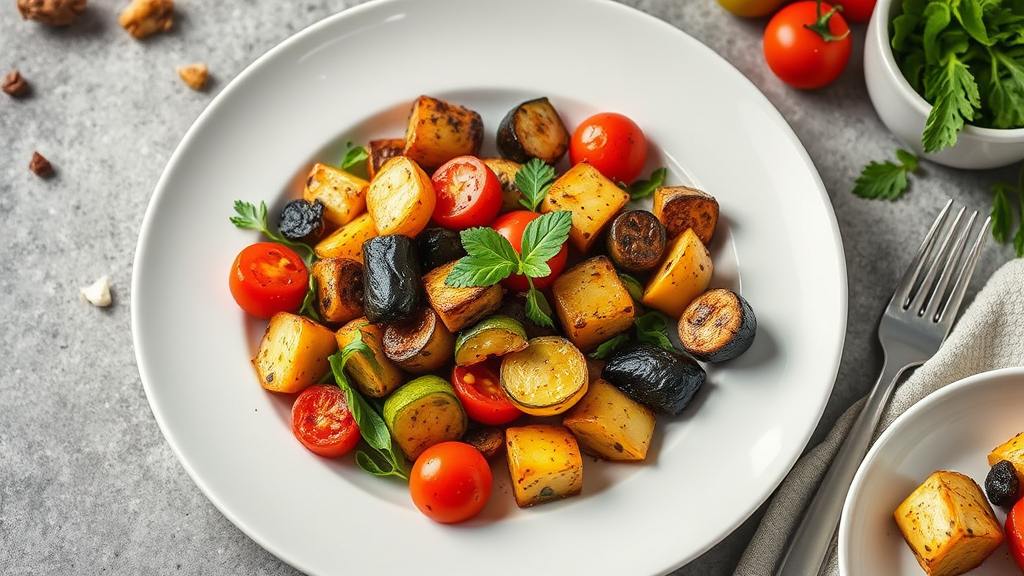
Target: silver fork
913,326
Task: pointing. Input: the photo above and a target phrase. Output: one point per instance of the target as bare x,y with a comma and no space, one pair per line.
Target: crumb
194,75
144,18
40,165
52,12
98,294
14,84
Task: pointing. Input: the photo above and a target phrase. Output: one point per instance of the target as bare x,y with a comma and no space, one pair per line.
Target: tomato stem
820,26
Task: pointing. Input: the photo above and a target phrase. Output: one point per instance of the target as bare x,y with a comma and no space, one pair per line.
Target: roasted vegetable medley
437,313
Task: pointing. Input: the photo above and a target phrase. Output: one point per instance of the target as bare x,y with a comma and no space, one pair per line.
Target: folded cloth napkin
987,336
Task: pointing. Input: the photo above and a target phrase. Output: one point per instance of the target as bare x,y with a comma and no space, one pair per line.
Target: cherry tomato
751,8
803,57
468,193
450,482
1014,529
511,226
478,390
323,422
612,143
856,11
267,278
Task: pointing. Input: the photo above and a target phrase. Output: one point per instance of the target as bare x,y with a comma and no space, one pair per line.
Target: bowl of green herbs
947,78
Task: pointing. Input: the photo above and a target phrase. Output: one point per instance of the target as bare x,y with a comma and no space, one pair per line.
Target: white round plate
352,77
953,428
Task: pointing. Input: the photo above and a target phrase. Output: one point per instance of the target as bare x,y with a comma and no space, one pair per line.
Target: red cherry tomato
856,11
612,143
1014,529
511,226
468,193
450,482
267,278
323,422
480,394
800,56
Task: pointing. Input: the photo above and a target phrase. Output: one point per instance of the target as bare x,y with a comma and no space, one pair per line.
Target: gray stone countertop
88,485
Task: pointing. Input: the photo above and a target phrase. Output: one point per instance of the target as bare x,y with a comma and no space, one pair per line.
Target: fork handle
809,545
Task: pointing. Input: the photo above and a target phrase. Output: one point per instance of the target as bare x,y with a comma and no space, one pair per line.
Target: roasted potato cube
439,131
611,425
293,353
401,198
685,274
592,303
376,378
380,151
949,524
339,289
342,194
592,199
347,241
459,307
545,463
682,207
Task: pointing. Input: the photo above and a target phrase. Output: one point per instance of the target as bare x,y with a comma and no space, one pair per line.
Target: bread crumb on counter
98,293
194,75
143,18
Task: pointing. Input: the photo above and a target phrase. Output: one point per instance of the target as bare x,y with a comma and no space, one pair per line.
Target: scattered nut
14,84
41,166
52,12
98,294
144,18
194,75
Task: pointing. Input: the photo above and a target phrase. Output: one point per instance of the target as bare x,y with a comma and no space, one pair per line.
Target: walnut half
144,18
53,12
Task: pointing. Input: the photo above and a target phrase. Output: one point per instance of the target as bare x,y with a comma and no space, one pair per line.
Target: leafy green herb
652,327
353,156
384,460
309,301
609,346
1003,213
490,258
252,218
534,179
643,188
885,180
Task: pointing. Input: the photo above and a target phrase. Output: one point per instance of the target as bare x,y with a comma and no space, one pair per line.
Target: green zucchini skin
661,380
391,278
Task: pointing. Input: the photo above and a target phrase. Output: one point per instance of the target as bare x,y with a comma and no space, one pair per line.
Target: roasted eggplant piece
489,440
506,171
655,377
380,151
391,278
636,241
1002,484
420,343
302,220
533,129
718,325
439,246
682,207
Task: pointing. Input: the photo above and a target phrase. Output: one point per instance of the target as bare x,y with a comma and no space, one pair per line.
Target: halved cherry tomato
450,482
323,422
807,46
478,390
267,278
1014,529
612,143
857,11
468,193
511,226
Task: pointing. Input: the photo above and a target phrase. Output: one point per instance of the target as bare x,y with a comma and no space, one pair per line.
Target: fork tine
927,285
938,295
956,296
909,279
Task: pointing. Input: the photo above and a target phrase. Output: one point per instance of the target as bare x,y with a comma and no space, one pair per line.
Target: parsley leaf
885,180
490,258
534,179
537,308
652,327
252,218
643,188
542,239
953,92
609,346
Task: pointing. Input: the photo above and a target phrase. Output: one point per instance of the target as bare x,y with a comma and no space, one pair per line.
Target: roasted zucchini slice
423,412
718,325
420,343
495,335
681,207
636,241
545,378
533,129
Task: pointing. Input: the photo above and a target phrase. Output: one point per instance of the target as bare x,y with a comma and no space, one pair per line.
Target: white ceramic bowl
904,111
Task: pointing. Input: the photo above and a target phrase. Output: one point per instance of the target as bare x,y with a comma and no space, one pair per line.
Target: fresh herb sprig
490,258
1003,212
644,188
651,327
354,155
252,218
384,460
886,180
534,179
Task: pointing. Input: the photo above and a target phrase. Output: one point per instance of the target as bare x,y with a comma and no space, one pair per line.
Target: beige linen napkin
989,335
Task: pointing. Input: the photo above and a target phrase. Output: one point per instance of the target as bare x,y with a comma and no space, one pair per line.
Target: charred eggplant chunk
1002,484
533,129
636,241
661,380
391,278
302,220
439,246
718,325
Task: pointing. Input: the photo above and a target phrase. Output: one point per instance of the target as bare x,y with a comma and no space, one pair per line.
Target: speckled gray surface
87,483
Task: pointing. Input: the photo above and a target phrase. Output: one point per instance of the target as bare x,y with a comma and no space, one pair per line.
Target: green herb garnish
886,180
609,346
1003,213
353,156
652,328
534,179
252,218
643,188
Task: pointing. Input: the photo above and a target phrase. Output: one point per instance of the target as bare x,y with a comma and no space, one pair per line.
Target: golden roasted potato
592,199
545,463
347,241
685,275
592,303
293,353
378,378
342,194
401,198
459,307
611,425
339,289
439,131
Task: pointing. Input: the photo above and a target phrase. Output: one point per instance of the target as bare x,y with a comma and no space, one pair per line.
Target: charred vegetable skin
302,220
718,325
653,376
438,246
533,130
636,241
391,278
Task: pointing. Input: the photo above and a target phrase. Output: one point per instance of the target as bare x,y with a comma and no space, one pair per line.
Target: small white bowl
903,111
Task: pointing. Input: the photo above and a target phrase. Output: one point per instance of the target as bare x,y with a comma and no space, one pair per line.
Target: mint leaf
534,179
643,188
542,239
885,180
490,259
